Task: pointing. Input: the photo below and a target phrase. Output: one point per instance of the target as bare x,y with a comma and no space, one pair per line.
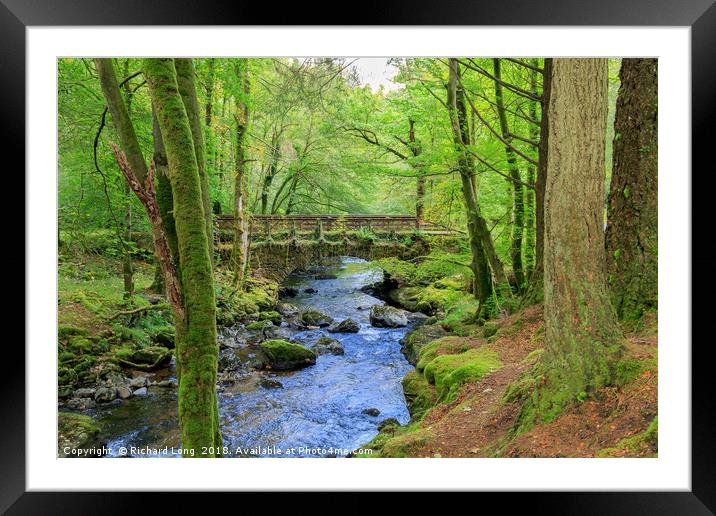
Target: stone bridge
281,244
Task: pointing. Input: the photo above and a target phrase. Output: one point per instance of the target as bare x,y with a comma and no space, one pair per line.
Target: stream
317,411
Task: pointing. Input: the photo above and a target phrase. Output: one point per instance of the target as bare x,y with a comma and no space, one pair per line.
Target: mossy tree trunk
530,237
185,80
272,169
241,117
416,149
479,262
518,207
632,214
197,350
461,136
535,291
582,338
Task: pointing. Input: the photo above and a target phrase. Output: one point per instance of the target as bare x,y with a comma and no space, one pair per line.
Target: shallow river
319,409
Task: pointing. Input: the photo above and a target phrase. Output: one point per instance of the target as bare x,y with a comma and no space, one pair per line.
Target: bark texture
631,236
582,339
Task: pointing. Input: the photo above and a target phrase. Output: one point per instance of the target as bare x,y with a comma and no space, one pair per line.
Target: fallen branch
141,309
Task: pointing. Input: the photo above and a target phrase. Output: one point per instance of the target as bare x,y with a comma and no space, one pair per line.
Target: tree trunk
416,149
530,239
518,207
241,235
631,236
462,133
535,292
582,339
271,172
196,347
185,81
479,263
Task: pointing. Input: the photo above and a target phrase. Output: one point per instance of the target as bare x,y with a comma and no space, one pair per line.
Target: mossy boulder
345,326
449,372
75,431
419,394
406,297
327,345
66,376
80,345
413,342
270,315
145,359
384,316
489,329
66,331
286,356
312,317
259,325
164,336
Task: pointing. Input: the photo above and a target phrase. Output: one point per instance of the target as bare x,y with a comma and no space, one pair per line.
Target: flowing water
317,412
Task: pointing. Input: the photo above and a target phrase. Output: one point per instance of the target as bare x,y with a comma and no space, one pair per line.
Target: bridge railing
275,224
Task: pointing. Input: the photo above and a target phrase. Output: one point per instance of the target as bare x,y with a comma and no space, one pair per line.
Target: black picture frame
700,15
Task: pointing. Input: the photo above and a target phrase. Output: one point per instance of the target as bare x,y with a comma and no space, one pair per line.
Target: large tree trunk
196,346
271,172
631,236
518,208
582,338
187,90
241,234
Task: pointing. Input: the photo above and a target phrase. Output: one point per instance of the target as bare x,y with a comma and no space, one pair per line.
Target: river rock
287,292
384,316
168,383
312,317
105,394
268,383
309,290
81,403
141,392
287,309
228,361
345,326
259,325
373,412
138,382
124,392
327,345
84,392
286,356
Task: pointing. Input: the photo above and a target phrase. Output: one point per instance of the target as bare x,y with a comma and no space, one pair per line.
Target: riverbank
465,393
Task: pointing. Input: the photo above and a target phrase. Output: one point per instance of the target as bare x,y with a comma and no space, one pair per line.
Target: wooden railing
272,224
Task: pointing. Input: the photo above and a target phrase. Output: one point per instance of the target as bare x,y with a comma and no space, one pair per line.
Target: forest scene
357,257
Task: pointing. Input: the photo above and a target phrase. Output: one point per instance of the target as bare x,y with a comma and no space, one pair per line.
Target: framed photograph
437,240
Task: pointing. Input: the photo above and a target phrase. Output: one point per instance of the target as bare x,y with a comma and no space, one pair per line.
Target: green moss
397,442
65,331
639,444
419,394
270,315
259,325
286,355
449,372
80,345
489,329
75,431
442,346
147,358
